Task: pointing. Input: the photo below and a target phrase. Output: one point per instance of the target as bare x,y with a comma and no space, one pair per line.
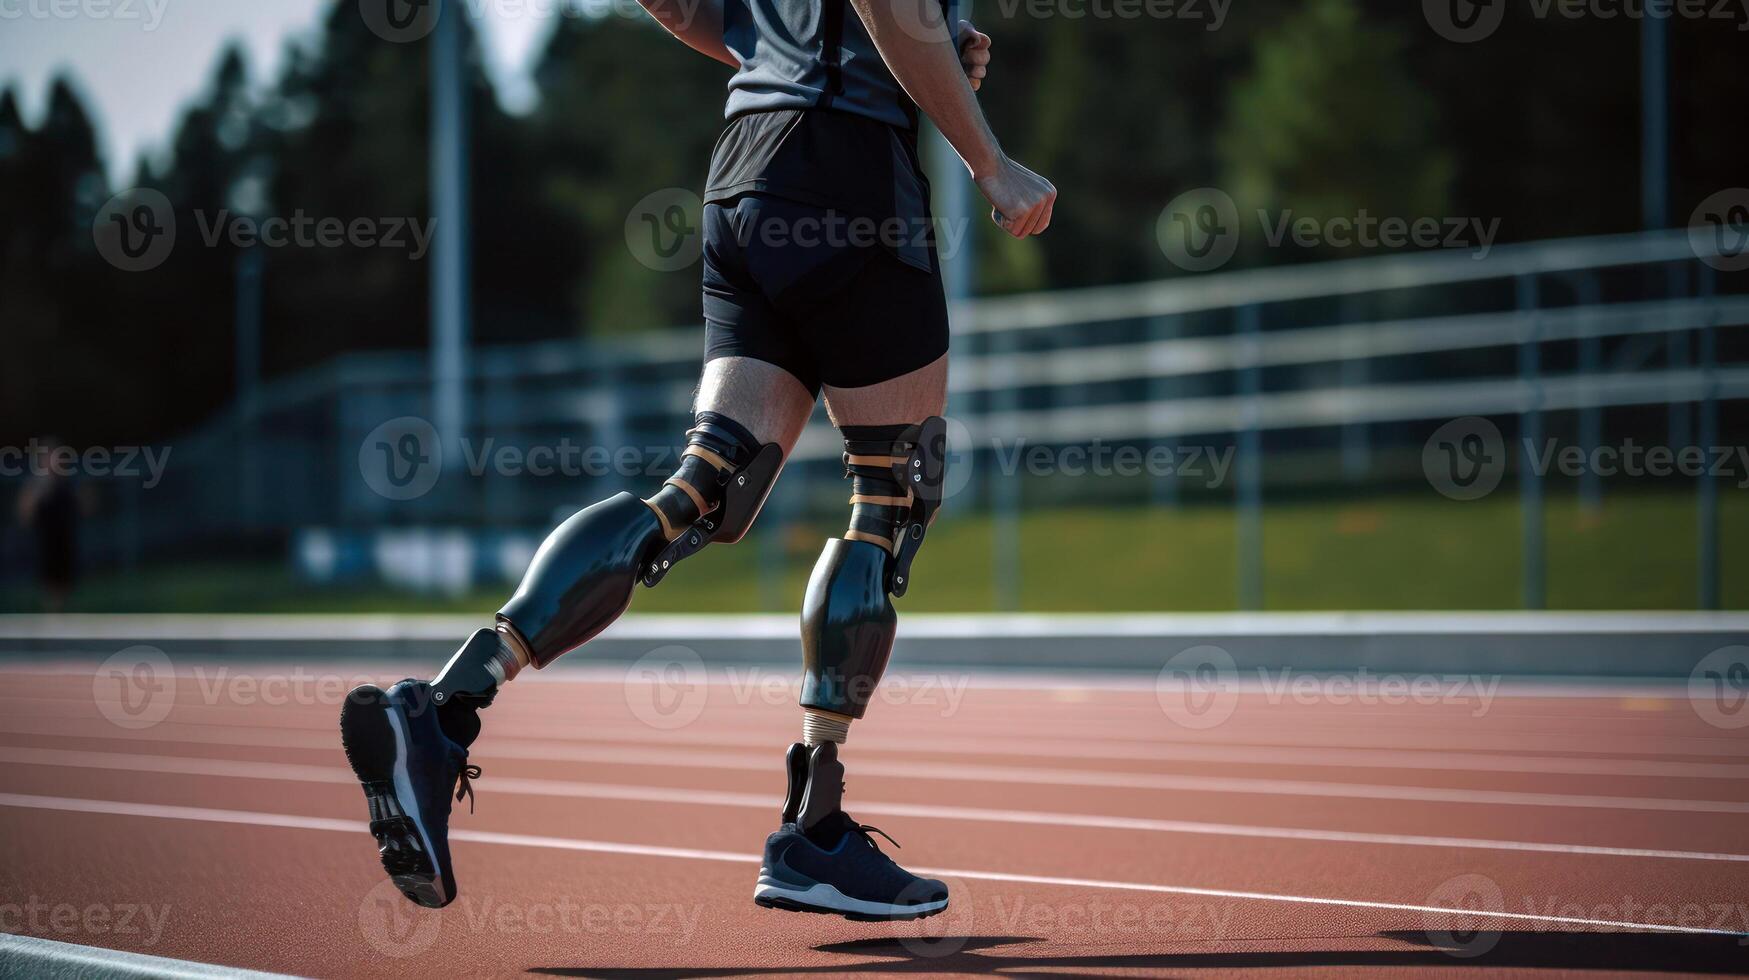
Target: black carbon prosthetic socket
716,447
878,501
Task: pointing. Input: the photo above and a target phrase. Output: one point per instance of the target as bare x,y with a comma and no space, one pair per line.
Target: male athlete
807,289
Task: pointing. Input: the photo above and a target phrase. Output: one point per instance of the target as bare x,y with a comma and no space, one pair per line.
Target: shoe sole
366,726
823,899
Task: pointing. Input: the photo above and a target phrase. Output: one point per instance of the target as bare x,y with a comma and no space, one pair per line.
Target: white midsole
821,895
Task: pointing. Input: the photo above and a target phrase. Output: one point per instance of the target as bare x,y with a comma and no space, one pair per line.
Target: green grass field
1636,552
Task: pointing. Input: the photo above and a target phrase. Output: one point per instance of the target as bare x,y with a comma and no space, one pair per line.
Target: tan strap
887,461
854,535
668,531
869,498
691,492
722,465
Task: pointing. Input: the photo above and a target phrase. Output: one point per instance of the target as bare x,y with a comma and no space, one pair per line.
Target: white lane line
228,768
45,957
1028,776
204,814
1159,740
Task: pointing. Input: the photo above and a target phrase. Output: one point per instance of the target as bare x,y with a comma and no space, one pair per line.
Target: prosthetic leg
583,576
409,745
821,860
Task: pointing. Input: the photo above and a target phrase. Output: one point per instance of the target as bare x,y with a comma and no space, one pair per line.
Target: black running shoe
409,768
852,878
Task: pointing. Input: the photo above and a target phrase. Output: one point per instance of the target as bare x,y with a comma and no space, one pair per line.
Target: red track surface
1084,830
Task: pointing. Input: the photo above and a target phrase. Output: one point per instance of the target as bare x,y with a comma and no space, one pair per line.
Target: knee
896,473
720,455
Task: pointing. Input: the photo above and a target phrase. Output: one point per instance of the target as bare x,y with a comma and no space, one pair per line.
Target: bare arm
918,49
698,24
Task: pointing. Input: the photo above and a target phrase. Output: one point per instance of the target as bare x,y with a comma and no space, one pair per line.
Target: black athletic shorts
820,293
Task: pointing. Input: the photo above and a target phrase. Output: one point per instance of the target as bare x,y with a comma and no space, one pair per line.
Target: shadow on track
1641,952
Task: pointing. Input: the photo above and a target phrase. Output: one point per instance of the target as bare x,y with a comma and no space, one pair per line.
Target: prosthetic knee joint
848,621
583,575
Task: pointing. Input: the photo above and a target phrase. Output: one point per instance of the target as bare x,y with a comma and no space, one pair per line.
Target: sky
137,63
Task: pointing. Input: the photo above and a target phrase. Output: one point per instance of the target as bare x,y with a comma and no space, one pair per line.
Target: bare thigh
903,400
765,398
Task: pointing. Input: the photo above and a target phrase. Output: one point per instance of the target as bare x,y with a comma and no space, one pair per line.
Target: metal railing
1358,351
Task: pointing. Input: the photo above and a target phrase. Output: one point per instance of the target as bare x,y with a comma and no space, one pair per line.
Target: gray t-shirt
813,54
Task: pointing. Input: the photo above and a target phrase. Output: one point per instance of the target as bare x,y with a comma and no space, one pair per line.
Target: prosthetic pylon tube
848,624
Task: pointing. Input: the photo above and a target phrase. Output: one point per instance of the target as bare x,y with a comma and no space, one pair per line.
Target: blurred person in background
50,506
821,277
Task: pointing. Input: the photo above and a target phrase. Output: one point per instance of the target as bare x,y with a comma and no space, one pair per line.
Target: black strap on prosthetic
727,471
897,473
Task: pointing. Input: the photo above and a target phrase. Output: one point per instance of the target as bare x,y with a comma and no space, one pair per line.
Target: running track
1084,827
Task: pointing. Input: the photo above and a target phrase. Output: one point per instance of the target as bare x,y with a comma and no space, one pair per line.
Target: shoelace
867,831
465,788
